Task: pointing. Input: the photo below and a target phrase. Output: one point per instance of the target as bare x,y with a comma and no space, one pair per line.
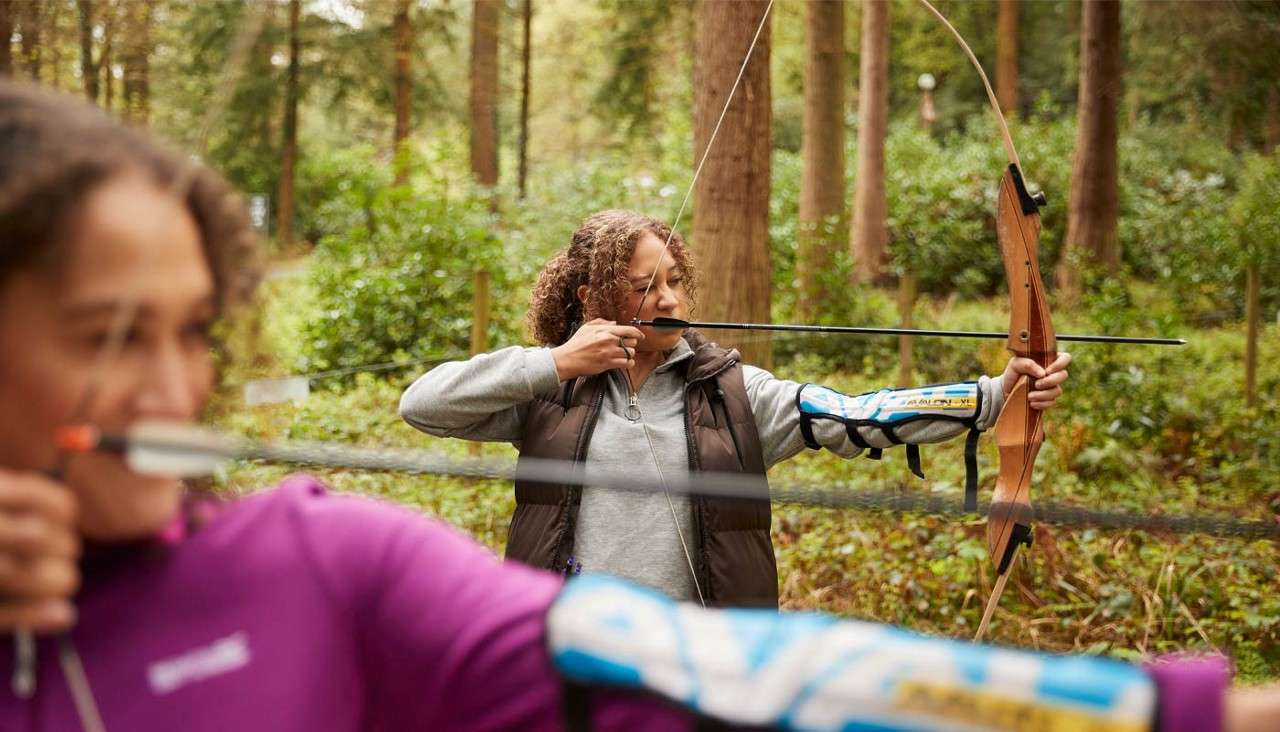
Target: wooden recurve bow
1019,428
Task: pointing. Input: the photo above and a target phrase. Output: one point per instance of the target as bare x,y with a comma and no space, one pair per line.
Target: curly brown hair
598,256
56,149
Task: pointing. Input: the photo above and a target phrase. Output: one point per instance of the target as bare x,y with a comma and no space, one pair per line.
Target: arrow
185,450
677,324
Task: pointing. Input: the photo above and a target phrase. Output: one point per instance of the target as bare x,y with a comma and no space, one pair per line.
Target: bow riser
1019,429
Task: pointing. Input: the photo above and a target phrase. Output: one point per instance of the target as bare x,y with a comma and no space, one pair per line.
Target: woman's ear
581,292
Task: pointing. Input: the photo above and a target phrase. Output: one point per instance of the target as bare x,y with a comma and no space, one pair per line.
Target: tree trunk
731,199
104,72
1271,132
6,33
403,31
51,44
822,219
88,69
1252,317
31,20
869,241
484,91
1007,56
527,18
289,148
1237,109
137,61
1093,210
106,55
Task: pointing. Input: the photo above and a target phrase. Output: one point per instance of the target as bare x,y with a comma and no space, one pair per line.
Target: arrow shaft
986,335
708,484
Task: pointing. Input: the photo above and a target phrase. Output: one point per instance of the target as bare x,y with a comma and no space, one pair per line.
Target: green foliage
1137,419
1223,55
629,94
362,414
393,266
843,306
939,212
919,44
941,196
196,41
1173,226
1193,215
1255,212
397,281
1255,218
336,190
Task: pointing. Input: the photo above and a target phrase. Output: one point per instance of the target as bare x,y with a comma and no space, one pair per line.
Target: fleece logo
219,657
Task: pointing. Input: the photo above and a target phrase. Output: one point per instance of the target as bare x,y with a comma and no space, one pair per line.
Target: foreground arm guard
874,420
814,672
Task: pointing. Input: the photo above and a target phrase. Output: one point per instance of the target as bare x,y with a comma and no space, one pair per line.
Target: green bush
1255,216
335,190
393,267
398,281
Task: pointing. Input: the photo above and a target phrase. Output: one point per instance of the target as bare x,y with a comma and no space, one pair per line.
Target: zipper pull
633,408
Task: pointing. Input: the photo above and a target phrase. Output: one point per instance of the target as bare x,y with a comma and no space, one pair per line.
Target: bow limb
1005,137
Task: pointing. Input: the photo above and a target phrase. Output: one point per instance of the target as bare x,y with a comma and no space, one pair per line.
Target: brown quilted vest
734,554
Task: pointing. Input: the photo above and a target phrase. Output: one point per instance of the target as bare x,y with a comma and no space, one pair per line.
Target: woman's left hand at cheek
1046,383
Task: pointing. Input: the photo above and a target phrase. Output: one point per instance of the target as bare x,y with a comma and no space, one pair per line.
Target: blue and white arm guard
814,672
886,410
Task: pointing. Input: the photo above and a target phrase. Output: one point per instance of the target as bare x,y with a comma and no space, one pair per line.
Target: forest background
413,163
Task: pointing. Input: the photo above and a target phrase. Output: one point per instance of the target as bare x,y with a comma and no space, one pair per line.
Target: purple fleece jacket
297,609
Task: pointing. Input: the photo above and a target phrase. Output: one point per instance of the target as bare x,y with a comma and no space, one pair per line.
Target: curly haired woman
642,403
